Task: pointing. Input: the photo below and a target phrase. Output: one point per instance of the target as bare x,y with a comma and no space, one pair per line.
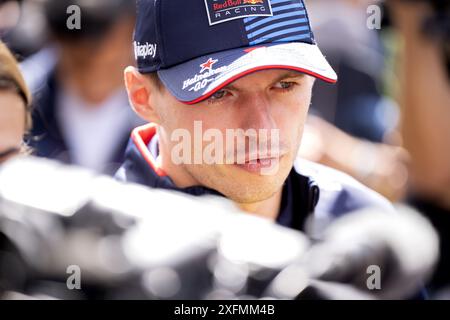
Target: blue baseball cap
197,47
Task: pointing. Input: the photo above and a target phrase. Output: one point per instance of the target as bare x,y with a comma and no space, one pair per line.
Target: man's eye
219,95
285,85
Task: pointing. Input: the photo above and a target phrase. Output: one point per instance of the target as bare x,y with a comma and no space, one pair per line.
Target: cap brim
196,80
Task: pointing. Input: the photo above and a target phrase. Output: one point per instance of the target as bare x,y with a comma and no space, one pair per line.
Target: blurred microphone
129,241
364,255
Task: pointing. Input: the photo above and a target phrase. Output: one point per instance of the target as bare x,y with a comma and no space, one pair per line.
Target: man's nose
257,113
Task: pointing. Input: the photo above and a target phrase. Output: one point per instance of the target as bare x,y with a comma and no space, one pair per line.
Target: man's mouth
257,165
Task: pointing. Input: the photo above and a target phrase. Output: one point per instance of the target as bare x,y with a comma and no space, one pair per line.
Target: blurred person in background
424,96
82,115
15,100
352,126
22,26
357,104
354,131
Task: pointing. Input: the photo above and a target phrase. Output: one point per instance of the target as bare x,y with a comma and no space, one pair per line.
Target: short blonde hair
11,79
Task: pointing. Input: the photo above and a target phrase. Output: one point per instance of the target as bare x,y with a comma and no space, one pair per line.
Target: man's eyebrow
230,87
287,75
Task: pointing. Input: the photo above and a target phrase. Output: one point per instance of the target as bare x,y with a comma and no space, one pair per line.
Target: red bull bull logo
253,1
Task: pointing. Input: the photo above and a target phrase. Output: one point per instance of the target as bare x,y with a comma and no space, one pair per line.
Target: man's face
275,100
12,123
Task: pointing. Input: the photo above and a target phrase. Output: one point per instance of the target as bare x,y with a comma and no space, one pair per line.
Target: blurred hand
381,167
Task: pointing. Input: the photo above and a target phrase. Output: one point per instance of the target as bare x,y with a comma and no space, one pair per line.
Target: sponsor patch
206,75
144,50
225,10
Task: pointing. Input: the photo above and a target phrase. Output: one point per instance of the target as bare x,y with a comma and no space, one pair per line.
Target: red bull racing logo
225,10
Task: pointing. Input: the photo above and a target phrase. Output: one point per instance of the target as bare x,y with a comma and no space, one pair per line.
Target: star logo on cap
208,65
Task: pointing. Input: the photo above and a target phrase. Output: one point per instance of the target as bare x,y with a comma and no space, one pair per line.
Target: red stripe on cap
141,137
246,72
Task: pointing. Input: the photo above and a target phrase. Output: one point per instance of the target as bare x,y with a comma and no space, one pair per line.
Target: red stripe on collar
141,137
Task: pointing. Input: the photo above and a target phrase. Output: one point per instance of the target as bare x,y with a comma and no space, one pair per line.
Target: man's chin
247,193
249,187
242,186
249,199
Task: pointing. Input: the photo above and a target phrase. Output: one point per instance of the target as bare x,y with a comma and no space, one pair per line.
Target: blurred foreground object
129,241
186,248
361,244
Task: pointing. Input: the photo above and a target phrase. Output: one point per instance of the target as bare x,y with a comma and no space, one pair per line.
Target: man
222,65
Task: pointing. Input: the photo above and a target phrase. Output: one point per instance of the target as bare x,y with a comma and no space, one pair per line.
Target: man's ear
140,93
